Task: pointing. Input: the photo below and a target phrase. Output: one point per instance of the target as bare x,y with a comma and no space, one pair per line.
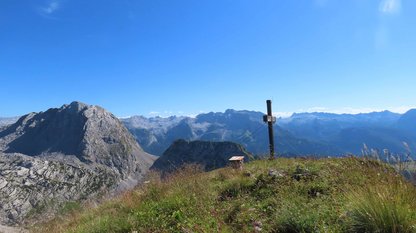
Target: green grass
283,195
383,209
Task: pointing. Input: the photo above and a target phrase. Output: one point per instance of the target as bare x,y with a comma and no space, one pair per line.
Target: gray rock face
29,184
210,155
64,154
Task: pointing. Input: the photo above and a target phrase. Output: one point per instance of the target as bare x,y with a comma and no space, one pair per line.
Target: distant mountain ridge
307,133
243,127
322,134
378,130
7,120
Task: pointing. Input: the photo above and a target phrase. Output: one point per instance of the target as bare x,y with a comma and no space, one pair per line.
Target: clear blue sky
186,56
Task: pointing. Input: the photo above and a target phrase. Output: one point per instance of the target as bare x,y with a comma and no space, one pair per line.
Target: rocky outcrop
64,154
28,185
209,155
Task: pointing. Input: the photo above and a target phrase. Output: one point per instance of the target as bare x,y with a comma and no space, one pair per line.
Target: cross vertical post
270,120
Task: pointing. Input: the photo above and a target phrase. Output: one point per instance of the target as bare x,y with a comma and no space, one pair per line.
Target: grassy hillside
284,195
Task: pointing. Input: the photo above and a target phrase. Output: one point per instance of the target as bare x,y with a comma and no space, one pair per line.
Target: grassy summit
284,195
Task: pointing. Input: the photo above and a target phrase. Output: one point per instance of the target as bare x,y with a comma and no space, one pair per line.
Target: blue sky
183,57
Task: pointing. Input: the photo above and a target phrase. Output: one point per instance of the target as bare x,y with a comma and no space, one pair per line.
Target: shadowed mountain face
209,155
56,130
77,151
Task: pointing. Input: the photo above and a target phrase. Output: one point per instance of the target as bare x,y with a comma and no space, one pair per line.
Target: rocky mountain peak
77,150
76,106
88,132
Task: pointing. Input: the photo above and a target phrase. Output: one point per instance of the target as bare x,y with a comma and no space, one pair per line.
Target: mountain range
378,130
243,127
319,134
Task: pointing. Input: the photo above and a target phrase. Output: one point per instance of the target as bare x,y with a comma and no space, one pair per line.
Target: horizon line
283,115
